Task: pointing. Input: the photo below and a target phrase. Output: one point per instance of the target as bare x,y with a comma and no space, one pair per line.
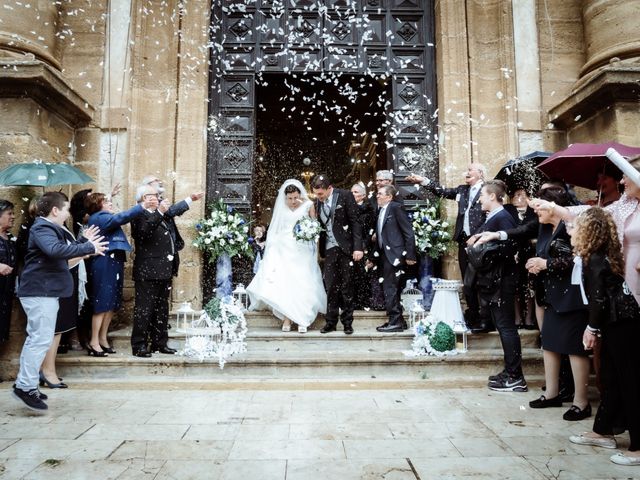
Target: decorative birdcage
217,331
410,295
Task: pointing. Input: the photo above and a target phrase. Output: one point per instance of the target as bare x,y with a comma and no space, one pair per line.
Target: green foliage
214,310
443,338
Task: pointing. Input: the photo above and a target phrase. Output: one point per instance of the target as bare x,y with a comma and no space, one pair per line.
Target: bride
289,281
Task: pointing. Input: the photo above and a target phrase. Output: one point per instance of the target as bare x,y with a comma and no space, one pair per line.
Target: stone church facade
124,88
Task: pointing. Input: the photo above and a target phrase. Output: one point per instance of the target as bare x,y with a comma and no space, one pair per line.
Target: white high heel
286,328
302,329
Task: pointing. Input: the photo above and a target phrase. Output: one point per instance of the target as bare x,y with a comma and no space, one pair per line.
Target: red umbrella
580,163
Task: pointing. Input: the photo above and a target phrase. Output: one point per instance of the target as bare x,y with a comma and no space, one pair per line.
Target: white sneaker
622,459
604,442
302,329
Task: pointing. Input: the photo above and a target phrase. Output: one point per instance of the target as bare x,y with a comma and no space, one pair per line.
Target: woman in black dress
614,321
7,267
565,315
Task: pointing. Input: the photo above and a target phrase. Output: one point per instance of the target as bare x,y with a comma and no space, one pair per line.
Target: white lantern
241,296
416,313
185,316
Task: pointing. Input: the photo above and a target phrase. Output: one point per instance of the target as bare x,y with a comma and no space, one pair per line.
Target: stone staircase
275,356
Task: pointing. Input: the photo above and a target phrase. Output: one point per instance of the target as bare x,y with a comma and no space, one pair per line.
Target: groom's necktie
326,209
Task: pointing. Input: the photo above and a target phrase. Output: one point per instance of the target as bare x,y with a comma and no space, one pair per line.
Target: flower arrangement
223,232
307,229
432,233
219,332
433,338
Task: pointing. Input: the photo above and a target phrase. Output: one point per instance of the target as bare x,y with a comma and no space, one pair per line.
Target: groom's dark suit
342,236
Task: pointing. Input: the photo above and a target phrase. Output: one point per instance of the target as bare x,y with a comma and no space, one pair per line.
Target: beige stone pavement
347,431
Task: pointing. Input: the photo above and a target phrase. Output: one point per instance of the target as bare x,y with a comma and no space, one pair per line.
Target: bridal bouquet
223,232
307,229
431,232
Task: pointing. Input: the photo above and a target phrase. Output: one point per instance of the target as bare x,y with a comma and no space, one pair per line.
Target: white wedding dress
289,281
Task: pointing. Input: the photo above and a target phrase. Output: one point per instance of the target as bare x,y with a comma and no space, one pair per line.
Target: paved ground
293,432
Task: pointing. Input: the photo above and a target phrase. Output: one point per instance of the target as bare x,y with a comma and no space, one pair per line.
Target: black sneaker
509,384
42,395
31,399
495,378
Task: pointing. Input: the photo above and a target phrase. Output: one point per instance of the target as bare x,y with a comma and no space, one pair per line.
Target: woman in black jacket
565,314
614,319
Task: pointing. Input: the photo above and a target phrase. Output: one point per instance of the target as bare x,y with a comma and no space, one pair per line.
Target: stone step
363,338
275,355
291,365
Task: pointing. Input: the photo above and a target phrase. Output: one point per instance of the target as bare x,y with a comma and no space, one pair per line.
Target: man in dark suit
470,218
340,244
170,212
495,282
396,244
154,266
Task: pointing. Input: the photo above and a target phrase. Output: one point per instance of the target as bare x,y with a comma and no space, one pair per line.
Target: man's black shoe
392,327
384,325
483,329
144,353
31,399
348,330
328,328
166,350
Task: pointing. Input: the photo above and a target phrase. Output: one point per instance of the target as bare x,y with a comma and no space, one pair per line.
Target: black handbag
625,307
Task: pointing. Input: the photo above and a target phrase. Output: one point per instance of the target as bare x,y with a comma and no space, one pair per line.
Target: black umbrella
521,172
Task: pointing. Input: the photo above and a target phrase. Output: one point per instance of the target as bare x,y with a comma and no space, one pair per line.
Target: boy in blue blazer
43,281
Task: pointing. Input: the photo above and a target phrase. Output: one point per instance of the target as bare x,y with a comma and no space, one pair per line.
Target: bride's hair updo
291,189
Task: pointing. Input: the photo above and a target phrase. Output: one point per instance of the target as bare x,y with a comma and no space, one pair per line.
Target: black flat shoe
94,353
574,413
544,402
384,325
348,330
107,349
328,328
142,353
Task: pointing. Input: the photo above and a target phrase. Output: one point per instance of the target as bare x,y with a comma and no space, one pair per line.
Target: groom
340,246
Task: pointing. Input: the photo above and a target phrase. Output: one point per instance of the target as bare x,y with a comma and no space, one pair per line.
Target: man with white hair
470,219
169,212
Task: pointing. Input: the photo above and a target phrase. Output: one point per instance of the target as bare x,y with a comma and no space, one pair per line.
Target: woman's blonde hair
595,231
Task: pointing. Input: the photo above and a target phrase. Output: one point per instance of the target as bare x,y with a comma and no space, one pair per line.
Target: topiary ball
443,338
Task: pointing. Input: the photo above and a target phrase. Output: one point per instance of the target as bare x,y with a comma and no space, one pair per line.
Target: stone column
603,103
191,141
454,106
611,31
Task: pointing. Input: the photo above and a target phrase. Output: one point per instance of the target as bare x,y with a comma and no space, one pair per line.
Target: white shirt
473,191
381,215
